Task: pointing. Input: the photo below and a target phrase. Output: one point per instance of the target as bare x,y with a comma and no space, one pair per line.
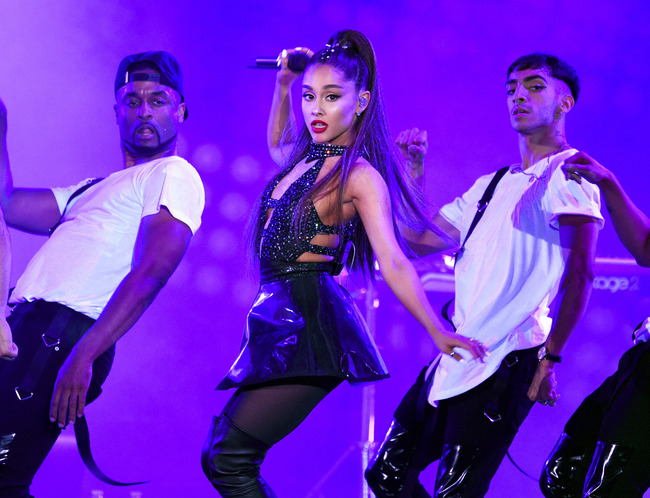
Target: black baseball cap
170,71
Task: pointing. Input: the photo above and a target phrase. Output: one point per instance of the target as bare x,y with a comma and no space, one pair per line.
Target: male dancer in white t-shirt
112,247
535,242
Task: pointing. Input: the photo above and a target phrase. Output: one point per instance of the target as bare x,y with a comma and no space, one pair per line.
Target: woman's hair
351,53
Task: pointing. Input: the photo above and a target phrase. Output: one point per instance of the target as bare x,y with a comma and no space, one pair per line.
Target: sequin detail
321,151
279,240
331,49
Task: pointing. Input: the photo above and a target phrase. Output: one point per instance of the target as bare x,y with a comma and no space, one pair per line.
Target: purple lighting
442,65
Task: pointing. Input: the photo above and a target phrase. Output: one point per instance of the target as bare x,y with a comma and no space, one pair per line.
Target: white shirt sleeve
570,197
453,212
62,194
176,185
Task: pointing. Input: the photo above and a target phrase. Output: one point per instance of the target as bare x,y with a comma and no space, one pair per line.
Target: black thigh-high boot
387,472
605,477
231,461
565,470
454,474
209,439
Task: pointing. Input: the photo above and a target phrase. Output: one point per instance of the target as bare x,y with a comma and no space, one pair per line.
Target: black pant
486,418
618,413
26,433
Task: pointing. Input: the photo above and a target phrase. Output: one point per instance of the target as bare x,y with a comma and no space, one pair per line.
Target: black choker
321,151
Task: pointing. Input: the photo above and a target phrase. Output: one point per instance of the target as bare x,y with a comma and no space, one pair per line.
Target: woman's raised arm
281,130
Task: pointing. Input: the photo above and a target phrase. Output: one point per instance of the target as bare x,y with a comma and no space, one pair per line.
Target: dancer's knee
231,460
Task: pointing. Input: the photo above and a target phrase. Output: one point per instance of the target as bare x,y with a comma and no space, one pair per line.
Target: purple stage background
442,64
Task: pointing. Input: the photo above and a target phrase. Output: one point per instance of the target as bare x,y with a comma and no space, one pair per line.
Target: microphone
297,62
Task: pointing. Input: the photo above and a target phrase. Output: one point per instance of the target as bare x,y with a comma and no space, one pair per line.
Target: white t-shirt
90,253
511,267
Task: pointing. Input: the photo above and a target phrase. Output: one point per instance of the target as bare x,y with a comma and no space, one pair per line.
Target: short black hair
557,67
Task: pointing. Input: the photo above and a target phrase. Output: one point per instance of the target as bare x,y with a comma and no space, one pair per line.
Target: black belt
276,270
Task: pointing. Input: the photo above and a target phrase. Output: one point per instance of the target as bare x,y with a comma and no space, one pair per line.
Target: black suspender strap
62,333
75,194
481,205
445,312
83,443
51,340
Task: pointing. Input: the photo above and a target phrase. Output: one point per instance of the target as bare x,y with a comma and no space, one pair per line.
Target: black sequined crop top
279,240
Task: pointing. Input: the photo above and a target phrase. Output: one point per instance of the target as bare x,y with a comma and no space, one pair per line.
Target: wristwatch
542,354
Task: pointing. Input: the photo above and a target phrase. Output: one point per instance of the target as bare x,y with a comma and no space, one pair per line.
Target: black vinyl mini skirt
303,323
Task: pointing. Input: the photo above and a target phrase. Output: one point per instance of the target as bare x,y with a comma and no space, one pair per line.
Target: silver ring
453,353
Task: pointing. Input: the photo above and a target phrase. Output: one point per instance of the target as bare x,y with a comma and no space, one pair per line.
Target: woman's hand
286,76
447,342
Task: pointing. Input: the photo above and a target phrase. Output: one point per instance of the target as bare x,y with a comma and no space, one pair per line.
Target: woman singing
344,183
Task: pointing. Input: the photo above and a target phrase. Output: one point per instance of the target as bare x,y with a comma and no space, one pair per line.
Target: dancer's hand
285,75
449,342
8,349
413,144
581,165
543,388
70,389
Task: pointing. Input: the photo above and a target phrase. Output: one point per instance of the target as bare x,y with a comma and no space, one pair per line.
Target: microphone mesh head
298,61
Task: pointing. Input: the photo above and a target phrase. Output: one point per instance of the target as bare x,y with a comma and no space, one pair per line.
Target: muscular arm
371,199
8,350
578,235
31,210
160,246
632,226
